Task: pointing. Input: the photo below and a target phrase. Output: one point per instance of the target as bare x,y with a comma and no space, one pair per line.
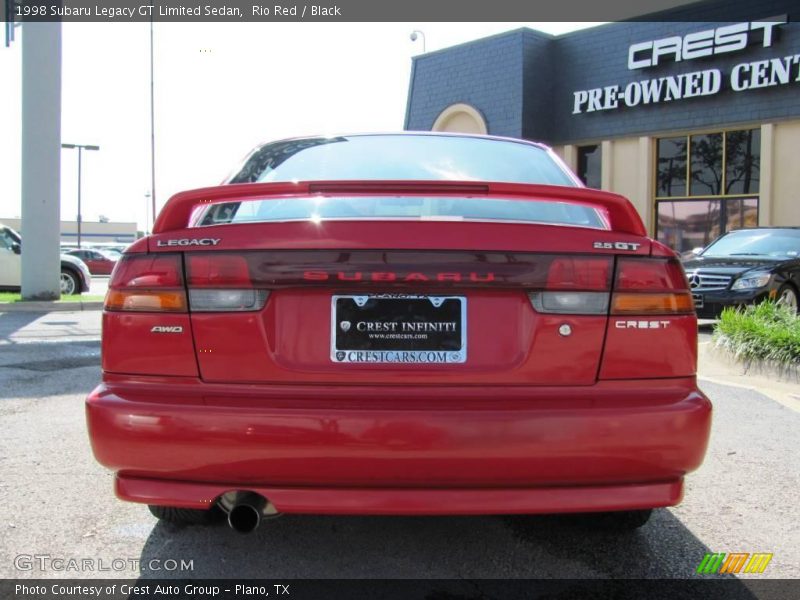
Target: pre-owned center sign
707,82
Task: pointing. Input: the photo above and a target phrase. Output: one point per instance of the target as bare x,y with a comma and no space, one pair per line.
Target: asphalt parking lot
59,502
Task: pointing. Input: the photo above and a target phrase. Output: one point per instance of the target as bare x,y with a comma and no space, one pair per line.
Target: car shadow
483,547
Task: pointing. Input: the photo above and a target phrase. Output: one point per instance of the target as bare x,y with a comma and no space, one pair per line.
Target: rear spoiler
622,216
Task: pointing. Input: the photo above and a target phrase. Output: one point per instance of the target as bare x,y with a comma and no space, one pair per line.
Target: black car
745,267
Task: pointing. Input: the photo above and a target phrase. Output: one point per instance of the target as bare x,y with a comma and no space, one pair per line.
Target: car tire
69,283
626,520
787,296
185,516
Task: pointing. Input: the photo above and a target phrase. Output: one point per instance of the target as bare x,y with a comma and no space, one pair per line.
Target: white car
75,277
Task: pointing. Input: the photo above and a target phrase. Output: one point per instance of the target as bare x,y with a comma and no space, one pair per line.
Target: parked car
399,324
744,267
99,262
75,276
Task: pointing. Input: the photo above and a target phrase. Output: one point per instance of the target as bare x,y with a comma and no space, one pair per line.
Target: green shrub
766,332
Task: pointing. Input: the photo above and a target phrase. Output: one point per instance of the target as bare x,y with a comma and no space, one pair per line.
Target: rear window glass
402,208
402,157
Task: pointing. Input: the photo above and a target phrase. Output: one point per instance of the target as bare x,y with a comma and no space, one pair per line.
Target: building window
705,174
742,157
706,184
589,165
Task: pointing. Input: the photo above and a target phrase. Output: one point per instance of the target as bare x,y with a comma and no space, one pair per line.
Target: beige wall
785,174
627,166
460,123
631,174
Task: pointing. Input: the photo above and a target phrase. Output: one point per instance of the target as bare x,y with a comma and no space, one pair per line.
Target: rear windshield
421,157
415,208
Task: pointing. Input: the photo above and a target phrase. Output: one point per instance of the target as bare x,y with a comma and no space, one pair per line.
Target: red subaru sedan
399,324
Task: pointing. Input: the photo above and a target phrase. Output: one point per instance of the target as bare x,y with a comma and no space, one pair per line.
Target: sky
220,89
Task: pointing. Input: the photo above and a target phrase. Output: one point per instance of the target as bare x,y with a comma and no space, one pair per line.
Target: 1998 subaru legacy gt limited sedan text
399,324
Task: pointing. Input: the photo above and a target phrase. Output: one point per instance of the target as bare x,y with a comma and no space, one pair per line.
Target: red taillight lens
147,283
147,271
218,270
650,274
579,273
576,285
648,286
221,282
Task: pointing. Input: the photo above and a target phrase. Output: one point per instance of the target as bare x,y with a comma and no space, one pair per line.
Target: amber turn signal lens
146,301
643,304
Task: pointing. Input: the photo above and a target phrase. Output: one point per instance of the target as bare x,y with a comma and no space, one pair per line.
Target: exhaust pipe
245,515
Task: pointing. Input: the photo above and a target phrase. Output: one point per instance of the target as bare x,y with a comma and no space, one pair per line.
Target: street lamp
81,148
415,34
147,197
152,126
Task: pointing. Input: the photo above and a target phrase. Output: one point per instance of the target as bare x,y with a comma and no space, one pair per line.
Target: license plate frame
414,337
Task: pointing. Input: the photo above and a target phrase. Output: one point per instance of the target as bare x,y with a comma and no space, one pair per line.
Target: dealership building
696,121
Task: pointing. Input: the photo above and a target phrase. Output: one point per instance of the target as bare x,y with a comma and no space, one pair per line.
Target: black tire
627,520
185,516
70,284
787,295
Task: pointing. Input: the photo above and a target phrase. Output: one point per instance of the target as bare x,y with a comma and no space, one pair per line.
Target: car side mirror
697,251
16,248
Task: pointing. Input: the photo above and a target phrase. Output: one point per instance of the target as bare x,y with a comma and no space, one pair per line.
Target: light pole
81,148
152,127
147,196
414,35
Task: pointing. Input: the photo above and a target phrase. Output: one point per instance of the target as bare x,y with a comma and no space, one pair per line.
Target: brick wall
486,74
523,81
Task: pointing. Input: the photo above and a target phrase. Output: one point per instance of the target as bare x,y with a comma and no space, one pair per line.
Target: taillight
147,283
217,270
643,286
575,286
221,282
226,300
154,283
650,286
570,303
579,273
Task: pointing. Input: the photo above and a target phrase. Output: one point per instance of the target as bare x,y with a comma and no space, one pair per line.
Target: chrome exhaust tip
246,510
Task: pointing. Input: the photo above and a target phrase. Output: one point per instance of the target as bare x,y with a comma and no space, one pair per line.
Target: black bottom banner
422,589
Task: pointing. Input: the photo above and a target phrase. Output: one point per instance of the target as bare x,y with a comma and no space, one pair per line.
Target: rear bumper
416,450
541,500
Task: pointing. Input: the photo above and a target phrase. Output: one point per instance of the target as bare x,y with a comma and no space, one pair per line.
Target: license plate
398,328
698,300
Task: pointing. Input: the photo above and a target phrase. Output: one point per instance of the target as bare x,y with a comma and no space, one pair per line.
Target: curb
719,367
755,366
49,306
